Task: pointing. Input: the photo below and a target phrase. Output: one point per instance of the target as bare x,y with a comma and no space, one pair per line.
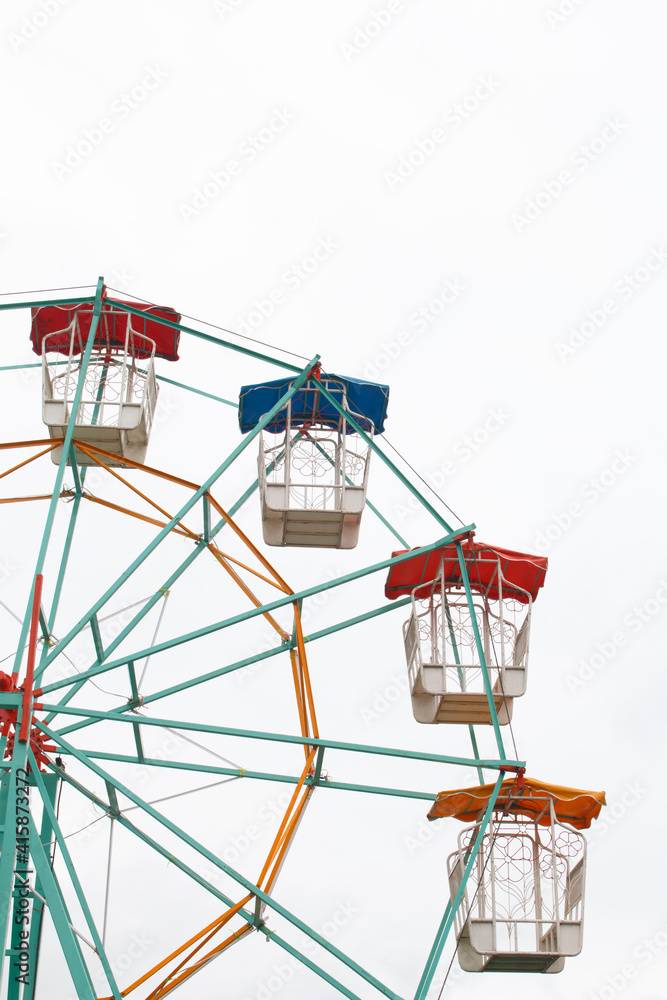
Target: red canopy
521,575
111,329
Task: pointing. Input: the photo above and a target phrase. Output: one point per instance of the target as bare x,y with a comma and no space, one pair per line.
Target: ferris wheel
121,695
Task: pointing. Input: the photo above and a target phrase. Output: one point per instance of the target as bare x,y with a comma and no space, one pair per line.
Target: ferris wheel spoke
314,780
203,727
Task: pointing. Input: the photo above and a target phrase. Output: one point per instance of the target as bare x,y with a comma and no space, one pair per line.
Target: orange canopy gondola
522,574
571,805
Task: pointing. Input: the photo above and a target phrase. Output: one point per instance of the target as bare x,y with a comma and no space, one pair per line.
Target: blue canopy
366,401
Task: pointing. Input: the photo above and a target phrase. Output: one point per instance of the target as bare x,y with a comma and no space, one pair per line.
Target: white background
386,154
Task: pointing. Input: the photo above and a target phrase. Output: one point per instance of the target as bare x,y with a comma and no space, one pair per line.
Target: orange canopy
571,805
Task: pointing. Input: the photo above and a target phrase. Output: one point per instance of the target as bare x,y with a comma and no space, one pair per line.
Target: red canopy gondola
522,574
111,332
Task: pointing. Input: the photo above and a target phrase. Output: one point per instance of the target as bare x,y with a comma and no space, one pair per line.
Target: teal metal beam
349,482
223,866
387,524
191,388
480,650
33,304
12,787
387,461
59,913
291,779
46,837
67,441
452,907
97,637
206,511
253,734
126,307
319,760
272,936
96,669
60,579
137,311
457,658
71,871
13,368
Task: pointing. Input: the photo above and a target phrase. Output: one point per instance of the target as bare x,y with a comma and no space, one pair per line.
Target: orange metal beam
237,562
278,839
248,592
303,719
135,490
218,922
40,496
131,513
232,939
287,840
30,444
130,464
253,548
303,663
45,451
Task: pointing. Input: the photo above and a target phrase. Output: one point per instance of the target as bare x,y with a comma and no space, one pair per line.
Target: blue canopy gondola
366,401
313,463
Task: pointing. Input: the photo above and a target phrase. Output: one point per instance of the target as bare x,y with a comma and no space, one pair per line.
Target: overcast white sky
467,202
